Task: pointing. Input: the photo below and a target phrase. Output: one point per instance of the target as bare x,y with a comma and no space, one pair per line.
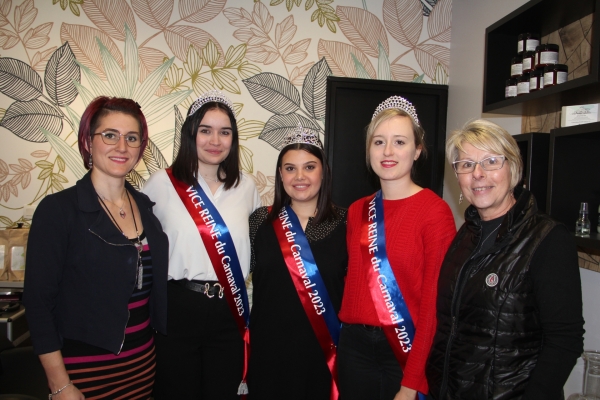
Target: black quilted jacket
489,336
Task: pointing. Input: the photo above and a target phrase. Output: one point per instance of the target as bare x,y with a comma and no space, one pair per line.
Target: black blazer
80,271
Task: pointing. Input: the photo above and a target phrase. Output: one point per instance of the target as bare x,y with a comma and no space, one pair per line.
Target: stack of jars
535,67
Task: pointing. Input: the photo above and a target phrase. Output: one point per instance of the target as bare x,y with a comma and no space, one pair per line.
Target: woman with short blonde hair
509,309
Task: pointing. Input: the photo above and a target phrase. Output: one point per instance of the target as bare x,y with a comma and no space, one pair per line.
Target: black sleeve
557,287
256,219
46,257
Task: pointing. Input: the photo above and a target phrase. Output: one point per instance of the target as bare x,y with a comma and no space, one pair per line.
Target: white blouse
188,258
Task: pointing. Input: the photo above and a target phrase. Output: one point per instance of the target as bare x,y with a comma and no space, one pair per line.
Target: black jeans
202,356
367,366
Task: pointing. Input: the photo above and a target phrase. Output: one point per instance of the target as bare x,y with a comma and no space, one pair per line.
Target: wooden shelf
544,17
11,284
593,242
573,173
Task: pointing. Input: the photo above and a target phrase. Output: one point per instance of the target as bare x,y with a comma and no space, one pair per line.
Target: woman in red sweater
396,240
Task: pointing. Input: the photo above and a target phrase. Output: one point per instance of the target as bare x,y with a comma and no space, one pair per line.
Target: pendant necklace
138,243
122,213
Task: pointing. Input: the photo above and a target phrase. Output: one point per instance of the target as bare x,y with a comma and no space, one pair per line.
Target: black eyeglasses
112,138
488,164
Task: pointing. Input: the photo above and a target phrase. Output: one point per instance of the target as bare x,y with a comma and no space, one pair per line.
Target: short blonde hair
386,115
487,136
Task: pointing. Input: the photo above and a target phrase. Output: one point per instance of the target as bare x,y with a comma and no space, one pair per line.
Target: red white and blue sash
223,256
310,287
392,310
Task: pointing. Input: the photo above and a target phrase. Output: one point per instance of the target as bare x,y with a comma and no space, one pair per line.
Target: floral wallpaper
272,58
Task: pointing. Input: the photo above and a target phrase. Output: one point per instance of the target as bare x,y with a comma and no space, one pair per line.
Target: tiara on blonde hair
303,136
399,103
211,96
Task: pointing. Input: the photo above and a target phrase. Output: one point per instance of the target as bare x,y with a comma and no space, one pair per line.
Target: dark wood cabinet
350,106
574,177
534,152
544,17
573,153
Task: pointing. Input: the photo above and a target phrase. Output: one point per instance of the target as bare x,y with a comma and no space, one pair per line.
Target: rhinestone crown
302,135
399,103
212,95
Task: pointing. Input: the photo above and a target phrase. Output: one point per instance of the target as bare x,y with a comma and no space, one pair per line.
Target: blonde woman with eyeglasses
509,309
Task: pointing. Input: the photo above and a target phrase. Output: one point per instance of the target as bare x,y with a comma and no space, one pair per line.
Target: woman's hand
406,394
57,377
69,393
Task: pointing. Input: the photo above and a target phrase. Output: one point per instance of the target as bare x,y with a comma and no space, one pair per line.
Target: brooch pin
491,280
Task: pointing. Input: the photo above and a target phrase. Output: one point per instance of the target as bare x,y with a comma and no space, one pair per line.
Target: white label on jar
561,77
522,87
533,83
511,91
527,63
531,44
548,57
520,46
516,69
549,78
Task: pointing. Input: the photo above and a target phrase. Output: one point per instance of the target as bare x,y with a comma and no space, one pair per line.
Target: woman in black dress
293,324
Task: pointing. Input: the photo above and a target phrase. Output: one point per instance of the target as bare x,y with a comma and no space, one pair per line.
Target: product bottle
582,226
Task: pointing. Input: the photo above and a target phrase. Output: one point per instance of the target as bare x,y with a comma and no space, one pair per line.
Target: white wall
469,20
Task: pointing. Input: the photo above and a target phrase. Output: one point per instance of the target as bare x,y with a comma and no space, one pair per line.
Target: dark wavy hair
185,165
101,107
325,208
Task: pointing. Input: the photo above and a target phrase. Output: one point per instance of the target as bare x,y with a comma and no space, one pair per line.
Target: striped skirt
129,375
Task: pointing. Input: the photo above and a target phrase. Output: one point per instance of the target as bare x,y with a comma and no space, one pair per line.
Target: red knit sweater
418,231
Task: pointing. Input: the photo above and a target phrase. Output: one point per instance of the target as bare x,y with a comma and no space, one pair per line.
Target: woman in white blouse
203,202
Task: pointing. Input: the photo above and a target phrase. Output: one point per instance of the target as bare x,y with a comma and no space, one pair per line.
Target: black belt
209,288
371,327
365,327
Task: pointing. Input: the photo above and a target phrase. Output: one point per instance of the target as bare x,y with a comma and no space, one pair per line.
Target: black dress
100,374
286,360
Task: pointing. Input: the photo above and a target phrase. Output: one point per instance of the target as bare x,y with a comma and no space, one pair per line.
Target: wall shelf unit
593,242
573,163
545,17
573,176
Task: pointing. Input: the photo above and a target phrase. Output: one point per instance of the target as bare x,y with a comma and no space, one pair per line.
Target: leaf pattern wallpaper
272,58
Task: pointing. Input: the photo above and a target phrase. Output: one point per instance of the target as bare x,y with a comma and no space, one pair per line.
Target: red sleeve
437,233
356,299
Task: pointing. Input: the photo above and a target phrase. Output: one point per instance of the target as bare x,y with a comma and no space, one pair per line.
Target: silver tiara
210,96
302,135
399,103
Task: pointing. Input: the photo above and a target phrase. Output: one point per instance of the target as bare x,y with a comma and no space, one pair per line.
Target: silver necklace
210,179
